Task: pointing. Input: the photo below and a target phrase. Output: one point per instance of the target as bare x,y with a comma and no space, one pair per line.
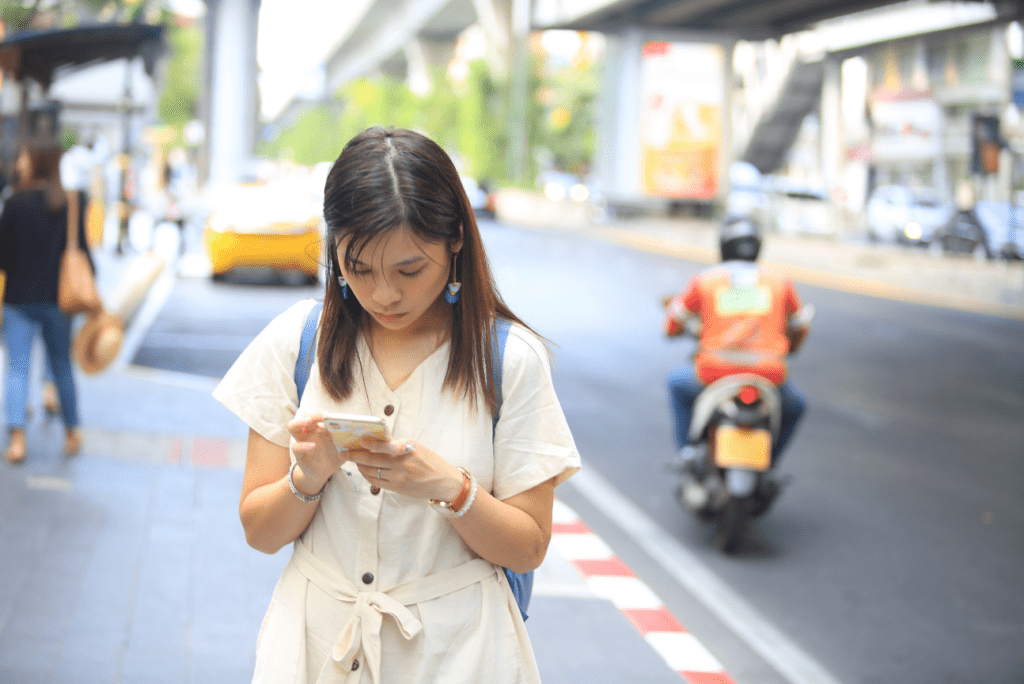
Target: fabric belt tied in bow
362,631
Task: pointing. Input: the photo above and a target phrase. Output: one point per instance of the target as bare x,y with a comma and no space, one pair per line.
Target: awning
38,54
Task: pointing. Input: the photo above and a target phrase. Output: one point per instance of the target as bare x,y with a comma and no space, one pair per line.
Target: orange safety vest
744,310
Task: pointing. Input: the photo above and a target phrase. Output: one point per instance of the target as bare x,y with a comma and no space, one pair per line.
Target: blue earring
451,293
343,284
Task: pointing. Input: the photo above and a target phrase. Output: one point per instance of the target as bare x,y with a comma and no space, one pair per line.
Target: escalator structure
772,137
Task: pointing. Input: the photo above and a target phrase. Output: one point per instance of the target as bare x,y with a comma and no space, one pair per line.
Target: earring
451,294
343,284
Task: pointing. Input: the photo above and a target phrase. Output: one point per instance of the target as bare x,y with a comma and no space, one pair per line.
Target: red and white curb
609,578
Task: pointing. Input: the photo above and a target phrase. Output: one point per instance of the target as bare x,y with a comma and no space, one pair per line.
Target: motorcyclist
747,318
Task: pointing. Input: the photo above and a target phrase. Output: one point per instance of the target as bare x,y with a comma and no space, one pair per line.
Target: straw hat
98,342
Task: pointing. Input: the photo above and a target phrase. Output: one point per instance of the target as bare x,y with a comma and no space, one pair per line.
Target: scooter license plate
737,447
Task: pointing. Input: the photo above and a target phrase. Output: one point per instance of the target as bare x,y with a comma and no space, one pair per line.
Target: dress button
355,665
375,490
368,578
388,410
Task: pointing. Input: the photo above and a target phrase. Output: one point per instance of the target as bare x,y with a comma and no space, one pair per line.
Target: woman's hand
315,453
407,468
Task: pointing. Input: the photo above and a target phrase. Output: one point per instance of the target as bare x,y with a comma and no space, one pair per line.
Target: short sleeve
532,441
260,386
793,303
691,298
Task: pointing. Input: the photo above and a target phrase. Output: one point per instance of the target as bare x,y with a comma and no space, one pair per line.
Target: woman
385,586
33,234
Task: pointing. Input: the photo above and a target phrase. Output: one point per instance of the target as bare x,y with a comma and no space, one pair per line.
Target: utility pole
124,210
519,104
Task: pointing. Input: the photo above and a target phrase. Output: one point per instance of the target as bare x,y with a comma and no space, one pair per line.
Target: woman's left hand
408,468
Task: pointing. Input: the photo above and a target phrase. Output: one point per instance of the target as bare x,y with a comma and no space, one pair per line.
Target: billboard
681,109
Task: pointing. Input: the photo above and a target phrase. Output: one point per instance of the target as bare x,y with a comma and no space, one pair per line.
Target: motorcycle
725,470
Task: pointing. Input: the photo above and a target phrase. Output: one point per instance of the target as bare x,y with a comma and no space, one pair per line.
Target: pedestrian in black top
33,235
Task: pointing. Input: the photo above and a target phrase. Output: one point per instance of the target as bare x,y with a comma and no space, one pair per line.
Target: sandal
72,442
50,402
16,448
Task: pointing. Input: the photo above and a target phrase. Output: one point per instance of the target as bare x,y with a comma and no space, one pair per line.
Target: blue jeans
684,386
21,322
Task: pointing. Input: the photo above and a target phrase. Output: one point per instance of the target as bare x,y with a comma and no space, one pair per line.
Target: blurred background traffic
890,122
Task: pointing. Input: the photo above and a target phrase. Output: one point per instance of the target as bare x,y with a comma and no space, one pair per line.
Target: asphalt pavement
127,563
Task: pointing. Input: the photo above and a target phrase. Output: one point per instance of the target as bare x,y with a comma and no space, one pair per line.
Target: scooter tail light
749,394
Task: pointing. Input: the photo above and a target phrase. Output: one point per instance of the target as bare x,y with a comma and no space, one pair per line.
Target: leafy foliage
178,101
20,15
469,119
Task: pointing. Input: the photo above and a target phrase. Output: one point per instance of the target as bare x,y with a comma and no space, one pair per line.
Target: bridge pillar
832,147
496,17
231,105
617,161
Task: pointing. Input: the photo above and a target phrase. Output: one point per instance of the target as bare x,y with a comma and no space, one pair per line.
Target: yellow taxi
274,225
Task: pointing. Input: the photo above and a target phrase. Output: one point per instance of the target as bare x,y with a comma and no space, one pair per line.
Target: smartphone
347,429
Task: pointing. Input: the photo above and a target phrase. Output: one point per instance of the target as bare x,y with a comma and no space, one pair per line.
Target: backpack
520,582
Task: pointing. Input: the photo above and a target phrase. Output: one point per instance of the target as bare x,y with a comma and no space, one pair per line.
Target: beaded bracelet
304,498
457,509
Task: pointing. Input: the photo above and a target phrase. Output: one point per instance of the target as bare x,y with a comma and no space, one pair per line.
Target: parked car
275,225
989,230
900,214
800,208
748,196
562,185
481,198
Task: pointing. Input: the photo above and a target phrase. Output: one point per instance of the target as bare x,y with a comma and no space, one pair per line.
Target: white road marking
627,593
777,649
682,651
581,547
49,483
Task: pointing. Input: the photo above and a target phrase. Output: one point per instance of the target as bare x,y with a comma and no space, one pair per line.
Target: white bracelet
304,498
445,508
470,500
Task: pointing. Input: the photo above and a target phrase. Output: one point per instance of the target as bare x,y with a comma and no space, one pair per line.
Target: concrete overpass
403,37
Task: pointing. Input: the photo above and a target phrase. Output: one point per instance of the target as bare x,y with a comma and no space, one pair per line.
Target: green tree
20,15
565,116
180,94
469,119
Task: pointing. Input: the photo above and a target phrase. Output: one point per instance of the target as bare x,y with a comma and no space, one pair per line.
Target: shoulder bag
520,582
76,284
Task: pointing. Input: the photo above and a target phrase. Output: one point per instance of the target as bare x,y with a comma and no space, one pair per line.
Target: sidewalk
128,564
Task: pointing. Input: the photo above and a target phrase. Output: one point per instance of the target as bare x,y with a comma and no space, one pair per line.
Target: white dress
380,588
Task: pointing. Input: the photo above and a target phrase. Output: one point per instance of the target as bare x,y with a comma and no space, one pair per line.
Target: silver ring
409,448
378,473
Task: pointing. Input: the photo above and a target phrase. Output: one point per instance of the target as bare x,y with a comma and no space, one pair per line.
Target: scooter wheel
731,524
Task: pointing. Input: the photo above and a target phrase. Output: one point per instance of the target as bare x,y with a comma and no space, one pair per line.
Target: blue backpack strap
307,344
501,328
521,582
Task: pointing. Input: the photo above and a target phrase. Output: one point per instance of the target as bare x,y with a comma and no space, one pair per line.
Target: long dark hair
388,179
45,157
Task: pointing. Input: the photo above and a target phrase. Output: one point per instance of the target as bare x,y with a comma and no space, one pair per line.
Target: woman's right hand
315,453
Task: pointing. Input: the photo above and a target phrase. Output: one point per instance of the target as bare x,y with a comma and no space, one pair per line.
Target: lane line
777,649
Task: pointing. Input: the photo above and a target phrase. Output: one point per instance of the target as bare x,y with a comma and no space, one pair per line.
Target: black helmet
740,238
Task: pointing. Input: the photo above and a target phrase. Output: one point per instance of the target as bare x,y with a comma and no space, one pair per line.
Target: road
895,554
